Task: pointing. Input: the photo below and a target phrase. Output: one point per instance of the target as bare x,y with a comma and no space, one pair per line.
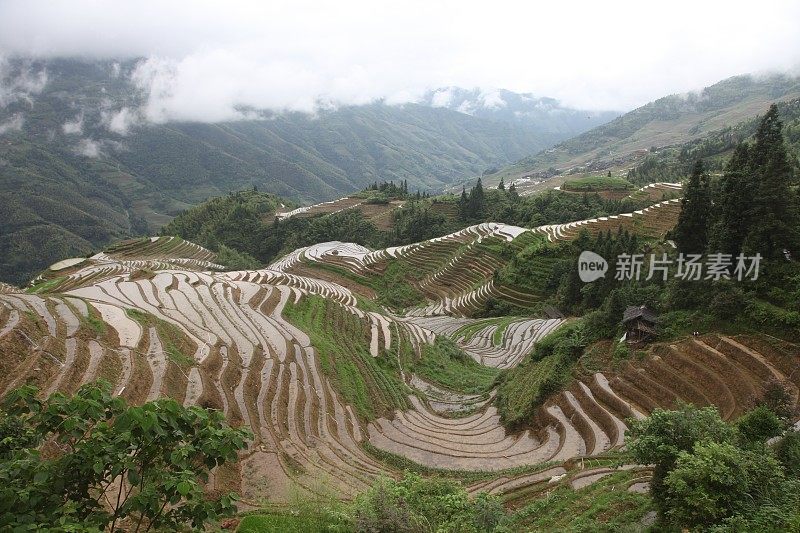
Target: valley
340,389
279,302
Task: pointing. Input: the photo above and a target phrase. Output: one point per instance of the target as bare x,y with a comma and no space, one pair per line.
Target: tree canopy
89,461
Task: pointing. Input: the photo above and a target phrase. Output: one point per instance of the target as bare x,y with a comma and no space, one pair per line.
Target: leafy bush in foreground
88,462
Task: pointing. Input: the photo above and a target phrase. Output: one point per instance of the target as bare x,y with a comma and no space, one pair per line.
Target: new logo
591,267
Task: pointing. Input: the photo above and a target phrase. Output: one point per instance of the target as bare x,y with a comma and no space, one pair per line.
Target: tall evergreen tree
463,205
691,232
477,201
775,217
502,185
732,204
513,191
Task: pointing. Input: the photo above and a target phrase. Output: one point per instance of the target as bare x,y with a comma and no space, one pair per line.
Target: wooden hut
640,324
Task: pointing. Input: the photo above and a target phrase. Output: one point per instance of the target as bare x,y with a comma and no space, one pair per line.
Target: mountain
666,122
541,114
79,167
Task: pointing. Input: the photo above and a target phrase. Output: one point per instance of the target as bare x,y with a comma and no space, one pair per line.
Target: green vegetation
604,506
393,288
370,384
445,364
411,505
597,183
691,231
94,322
547,370
45,285
58,457
414,504
236,260
243,223
715,148
756,204
176,345
711,476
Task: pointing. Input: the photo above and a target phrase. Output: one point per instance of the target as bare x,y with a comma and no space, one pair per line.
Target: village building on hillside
640,324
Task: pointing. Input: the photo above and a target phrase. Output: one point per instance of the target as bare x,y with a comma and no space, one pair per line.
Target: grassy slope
370,384
524,388
605,506
392,287
445,364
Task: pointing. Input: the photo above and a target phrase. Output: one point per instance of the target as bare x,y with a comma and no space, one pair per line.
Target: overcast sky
204,58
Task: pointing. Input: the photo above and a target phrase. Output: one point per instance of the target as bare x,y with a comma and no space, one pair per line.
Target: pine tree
502,185
731,211
477,201
691,232
775,217
463,205
513,191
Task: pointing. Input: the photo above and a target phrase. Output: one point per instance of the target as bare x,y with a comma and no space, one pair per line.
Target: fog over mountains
85,158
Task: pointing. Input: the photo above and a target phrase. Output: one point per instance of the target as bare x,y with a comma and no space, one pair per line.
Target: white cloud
121,121
19,84
13,124
207,60
442,97
89,148
492,99
74,126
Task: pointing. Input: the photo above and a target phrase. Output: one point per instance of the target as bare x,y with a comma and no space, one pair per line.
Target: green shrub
660,439
758,425
788,453
161,451
236,260
544,372
415,505
718,480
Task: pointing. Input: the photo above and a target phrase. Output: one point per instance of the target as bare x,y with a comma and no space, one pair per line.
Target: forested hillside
669,121
79,166
675,162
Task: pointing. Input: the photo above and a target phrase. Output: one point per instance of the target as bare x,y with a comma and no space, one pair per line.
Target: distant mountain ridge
80,168
542,114
668,121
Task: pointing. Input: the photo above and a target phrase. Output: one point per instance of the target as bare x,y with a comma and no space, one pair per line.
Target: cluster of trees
90,462
389,188
472,206
753,208
674,163
714,476
241,226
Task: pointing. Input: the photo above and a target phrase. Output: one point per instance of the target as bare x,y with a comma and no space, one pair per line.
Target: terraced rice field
156,317
455,272
378,214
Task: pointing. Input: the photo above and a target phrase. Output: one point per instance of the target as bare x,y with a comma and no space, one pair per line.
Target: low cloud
74,126
19,82
208,61
122,121
13,124
89,148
